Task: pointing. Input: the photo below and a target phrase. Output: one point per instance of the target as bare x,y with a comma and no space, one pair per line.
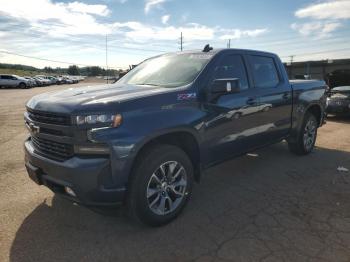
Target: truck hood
90,98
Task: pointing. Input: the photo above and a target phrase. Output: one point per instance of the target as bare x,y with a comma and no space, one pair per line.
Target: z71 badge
186,96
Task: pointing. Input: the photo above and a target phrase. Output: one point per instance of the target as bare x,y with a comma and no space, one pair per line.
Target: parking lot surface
267,206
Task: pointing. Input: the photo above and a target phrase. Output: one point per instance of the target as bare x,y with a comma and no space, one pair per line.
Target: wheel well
316,111
184,140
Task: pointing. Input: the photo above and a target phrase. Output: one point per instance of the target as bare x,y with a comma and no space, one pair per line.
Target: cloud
58,19
140,32
67,30
322,18
334,9
237,33
319,29
165,19
152,4
79,7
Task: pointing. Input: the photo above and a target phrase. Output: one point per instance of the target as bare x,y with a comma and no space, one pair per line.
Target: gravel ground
266,206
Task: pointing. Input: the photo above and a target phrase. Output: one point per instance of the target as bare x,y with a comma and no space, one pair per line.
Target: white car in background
44,81
31,80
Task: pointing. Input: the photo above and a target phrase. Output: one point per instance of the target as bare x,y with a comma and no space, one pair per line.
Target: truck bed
307,84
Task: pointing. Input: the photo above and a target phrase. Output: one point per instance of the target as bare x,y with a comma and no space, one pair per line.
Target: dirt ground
266,206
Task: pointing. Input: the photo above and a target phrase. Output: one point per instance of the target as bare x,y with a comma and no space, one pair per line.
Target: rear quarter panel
307,93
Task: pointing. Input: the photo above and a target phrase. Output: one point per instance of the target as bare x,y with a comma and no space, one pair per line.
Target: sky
75,32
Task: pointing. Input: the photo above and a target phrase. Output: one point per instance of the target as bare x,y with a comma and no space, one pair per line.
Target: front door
231,124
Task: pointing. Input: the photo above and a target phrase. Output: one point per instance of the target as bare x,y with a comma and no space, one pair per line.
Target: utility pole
291,59
291,66
181,42
106,59
229,43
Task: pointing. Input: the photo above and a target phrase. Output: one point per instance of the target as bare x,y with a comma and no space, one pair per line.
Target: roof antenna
207,48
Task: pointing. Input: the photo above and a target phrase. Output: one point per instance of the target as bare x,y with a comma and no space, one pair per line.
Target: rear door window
264,71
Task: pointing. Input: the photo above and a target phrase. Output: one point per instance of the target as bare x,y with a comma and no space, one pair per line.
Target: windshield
171,70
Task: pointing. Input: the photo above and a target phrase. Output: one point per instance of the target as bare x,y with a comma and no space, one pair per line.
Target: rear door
274,95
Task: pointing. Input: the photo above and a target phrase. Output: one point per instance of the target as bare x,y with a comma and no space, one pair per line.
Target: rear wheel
160,185
306,139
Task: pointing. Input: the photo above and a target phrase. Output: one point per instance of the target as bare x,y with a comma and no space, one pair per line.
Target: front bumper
87,177
338,106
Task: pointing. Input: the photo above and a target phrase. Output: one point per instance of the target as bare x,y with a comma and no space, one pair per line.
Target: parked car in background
39,81
60,80
74,79
14,81
31,80
49,79
44,81
144,140
340,77
53,80
338,101
67,80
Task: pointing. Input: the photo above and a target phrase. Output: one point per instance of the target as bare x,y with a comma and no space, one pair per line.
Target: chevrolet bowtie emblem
34,129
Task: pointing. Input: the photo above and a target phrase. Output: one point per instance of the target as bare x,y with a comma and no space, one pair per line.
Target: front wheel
306,139
160,185
22,86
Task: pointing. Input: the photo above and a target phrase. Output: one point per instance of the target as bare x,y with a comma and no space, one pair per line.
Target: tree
73,70
94,71
48,69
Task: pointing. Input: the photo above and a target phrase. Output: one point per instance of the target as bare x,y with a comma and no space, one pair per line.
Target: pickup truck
144,141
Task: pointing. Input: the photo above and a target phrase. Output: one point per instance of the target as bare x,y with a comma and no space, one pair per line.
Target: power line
49,60
320,52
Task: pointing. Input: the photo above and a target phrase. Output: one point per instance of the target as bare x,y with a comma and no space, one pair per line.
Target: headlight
338,96
113,120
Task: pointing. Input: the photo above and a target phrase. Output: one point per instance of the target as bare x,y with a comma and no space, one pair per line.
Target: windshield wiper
147,84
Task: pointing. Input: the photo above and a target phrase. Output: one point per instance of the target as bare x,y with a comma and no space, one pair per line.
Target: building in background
334,72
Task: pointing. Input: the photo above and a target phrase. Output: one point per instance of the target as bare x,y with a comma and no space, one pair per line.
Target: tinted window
264,71
232,66
5,77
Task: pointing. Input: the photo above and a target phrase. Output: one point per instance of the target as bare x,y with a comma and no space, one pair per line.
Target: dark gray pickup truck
144,140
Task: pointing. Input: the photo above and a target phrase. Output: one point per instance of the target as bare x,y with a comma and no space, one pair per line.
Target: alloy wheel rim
166,188
309,134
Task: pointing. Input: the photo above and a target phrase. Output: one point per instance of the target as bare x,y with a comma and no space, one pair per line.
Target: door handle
286,96
251,101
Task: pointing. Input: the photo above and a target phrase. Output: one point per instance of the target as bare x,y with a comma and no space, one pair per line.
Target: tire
306,139
150,193
22,86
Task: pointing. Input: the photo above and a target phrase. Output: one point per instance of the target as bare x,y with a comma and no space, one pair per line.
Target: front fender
139,128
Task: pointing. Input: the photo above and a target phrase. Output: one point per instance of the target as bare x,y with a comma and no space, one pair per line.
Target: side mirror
225,86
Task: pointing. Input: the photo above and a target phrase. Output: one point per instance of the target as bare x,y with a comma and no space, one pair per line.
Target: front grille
49,118
53,150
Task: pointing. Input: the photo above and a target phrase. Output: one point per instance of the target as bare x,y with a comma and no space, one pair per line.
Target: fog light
69,191
93,149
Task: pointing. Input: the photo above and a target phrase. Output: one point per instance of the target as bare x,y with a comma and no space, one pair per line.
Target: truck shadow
257,196
343,119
